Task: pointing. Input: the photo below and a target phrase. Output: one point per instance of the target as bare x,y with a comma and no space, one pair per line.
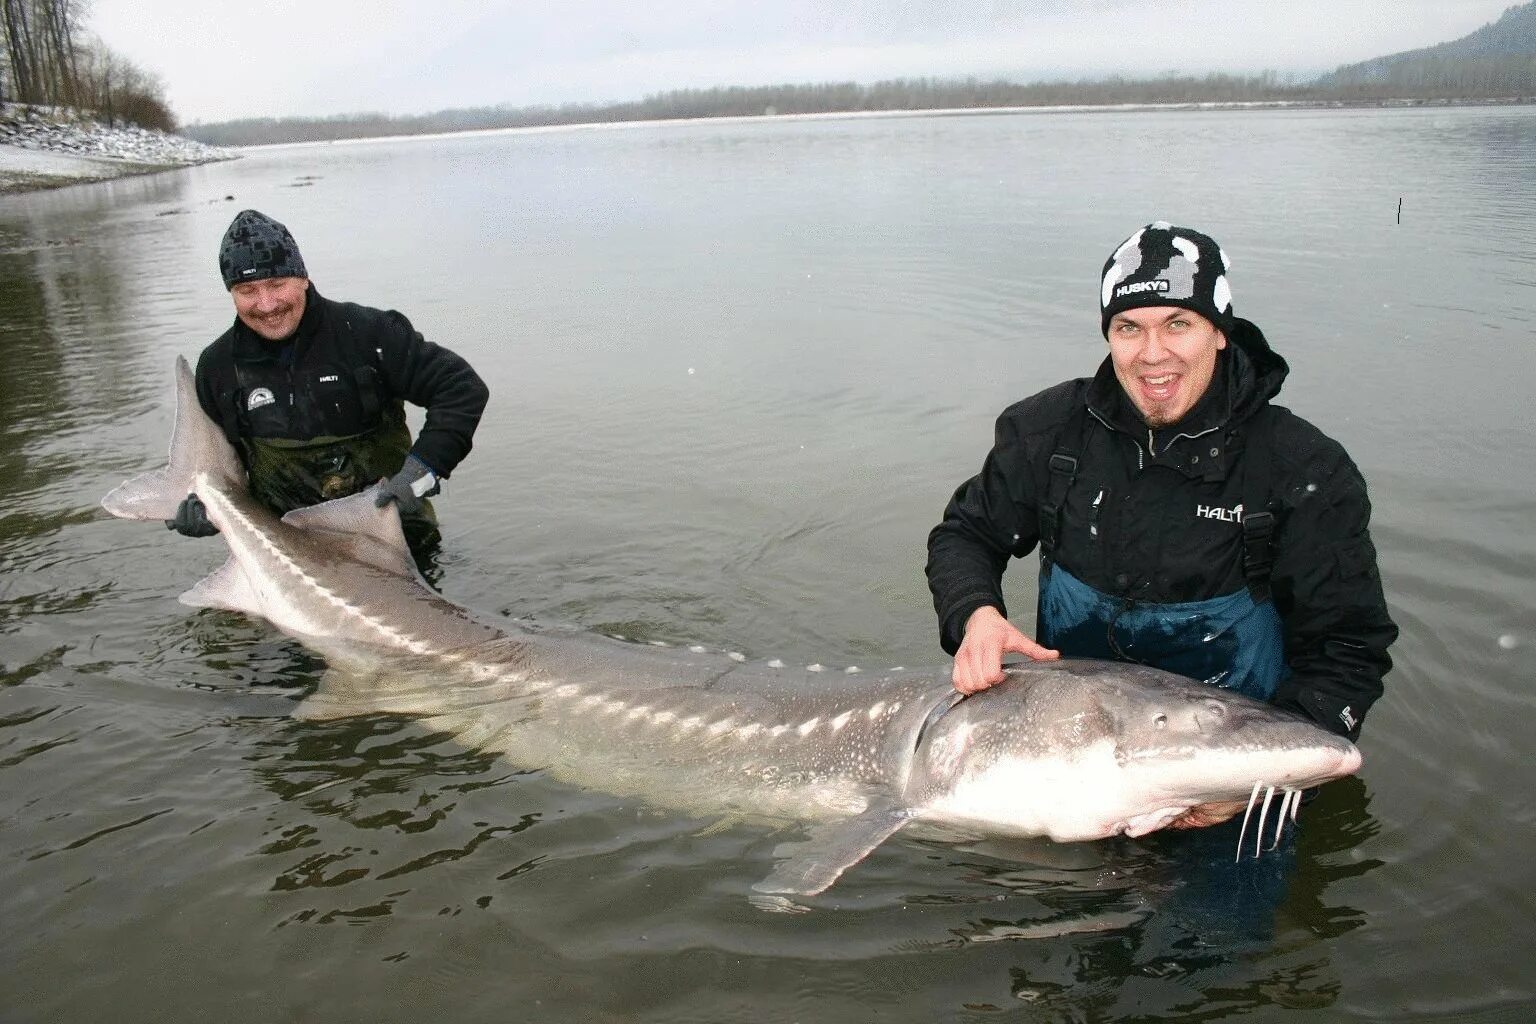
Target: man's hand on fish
988,636
191,519
407,488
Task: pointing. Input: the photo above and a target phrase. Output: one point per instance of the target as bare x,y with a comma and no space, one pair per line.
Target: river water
736,370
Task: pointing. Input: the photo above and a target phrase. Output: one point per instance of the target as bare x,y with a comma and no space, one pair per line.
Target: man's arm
439,380
1328,591
990,519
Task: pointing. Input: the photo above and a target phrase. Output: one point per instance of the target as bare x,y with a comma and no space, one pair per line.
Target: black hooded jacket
1153,517
345,372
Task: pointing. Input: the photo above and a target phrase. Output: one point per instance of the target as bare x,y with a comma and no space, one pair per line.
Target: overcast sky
221,59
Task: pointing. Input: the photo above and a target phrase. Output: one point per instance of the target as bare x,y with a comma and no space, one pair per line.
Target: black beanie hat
1163,265
257,247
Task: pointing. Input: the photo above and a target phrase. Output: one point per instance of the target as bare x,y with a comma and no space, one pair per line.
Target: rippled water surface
736,371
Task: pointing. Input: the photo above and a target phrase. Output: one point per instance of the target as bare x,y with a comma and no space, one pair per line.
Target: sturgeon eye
1216,708
1161,721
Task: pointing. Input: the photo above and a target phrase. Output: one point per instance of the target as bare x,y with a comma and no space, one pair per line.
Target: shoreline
23,170
42,149
831,115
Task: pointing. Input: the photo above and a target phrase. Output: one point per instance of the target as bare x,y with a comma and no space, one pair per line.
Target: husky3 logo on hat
1160,286
1163,265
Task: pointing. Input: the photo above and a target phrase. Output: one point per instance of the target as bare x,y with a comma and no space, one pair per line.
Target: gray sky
220,59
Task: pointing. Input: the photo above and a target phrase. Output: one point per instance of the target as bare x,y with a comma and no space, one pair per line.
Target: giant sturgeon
1073,750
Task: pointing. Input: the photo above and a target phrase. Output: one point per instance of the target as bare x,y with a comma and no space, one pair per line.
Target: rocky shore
42,148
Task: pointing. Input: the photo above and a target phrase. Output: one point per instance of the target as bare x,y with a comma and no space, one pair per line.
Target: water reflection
1169,927
375,799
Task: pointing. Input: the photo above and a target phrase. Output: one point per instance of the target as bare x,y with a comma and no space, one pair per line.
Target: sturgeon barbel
1072,750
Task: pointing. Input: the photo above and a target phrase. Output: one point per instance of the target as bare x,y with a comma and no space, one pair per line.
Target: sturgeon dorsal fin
361,531
832,848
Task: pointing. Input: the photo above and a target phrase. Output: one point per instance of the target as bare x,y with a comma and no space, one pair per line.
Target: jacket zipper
1141,460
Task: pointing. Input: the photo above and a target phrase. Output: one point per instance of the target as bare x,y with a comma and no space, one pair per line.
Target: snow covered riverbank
41,149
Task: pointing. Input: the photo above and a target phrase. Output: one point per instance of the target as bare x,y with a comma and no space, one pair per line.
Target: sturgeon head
1080,750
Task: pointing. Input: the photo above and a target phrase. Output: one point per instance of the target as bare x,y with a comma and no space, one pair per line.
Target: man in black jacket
1183,521
310,391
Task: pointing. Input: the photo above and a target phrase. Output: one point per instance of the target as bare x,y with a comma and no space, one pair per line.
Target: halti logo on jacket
259,398
1158,285
1226,515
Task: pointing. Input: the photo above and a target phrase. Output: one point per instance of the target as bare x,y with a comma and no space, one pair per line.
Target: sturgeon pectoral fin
226,587
832,848
341,694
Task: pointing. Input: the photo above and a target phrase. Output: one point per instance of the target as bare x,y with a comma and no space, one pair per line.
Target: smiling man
310,391
1183,521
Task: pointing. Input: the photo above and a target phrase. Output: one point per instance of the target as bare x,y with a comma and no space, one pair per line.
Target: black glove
191,519
407,487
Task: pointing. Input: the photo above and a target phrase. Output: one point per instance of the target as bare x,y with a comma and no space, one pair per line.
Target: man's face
1164,357
271,307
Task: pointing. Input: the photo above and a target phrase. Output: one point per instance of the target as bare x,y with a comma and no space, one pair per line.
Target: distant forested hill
1498,59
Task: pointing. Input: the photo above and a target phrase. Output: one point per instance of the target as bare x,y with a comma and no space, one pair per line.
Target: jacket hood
1248,374
1256,372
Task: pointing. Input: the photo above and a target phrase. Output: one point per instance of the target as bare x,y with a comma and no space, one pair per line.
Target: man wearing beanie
1183,521
311,391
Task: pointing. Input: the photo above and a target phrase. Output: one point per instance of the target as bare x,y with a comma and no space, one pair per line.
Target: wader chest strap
368,394
232,418
367,374
1258,521
1258,553
1063,471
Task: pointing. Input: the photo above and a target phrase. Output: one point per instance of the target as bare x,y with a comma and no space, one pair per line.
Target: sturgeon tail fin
197,446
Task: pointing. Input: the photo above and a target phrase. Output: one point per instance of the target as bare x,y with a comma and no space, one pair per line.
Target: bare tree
43,61
19,48
40,48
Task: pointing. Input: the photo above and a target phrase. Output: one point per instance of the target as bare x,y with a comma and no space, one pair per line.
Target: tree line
46,60
1493,77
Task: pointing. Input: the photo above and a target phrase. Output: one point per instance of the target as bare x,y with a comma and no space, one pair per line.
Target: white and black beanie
1163,265
257,247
